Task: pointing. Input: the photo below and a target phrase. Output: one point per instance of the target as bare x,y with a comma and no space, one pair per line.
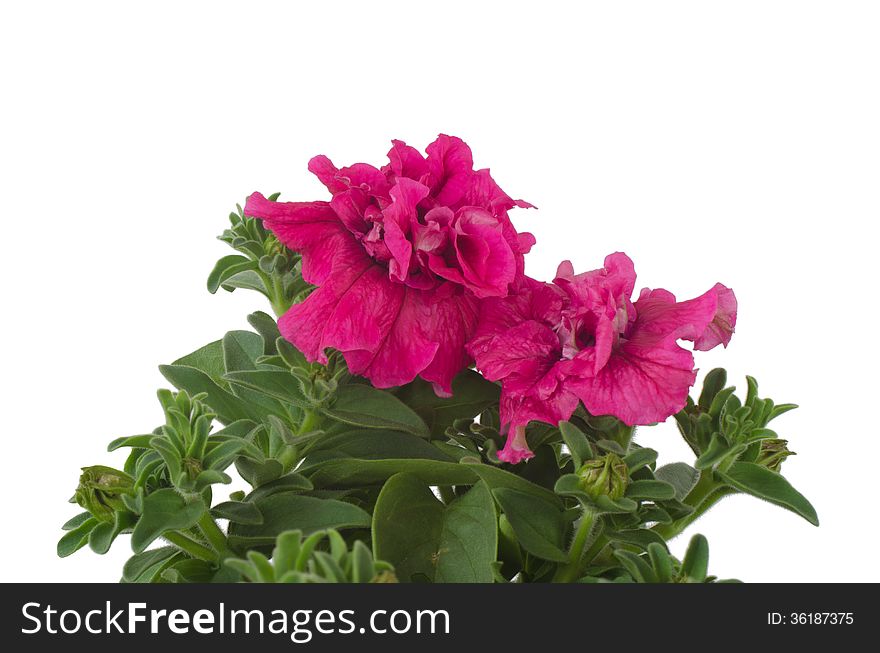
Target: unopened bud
101,489
604,476
772,453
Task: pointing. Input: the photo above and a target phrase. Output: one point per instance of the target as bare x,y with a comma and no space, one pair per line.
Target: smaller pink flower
582,339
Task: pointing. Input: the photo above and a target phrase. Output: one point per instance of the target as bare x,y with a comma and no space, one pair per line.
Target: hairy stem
214,534
571,571
705,494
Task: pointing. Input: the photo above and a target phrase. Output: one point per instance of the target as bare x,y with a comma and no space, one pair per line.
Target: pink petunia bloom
402,257
582,339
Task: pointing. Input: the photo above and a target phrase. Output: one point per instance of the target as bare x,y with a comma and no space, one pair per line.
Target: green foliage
263,263
336,467
298,560
427,540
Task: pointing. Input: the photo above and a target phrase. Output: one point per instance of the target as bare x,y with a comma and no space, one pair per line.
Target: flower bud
606,475
100,491
772,453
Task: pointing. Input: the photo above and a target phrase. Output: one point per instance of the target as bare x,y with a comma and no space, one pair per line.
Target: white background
733,142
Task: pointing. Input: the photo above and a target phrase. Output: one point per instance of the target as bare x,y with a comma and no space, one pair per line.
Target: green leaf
640,537
422,537
661,562
164,510
138,564
569,485
497,478
695,565
762,483
639,458
278,384
375,444
354,472
291,356
77,538
241,350
208,359
288,510
651,490
227,406
221,456
133,441
76,522
102,536
471,394
637,566
712,385
291,482
189,570
268,330
577,443
258,473
539,525
226,268
240,512
681,476
364,405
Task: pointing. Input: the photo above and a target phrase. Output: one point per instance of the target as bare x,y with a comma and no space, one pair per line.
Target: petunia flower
402,256
582,339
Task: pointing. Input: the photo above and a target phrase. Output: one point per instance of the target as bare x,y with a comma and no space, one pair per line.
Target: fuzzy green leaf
422,537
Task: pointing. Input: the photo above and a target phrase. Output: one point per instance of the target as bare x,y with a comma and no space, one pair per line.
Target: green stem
624,436
215,536
572,570
309,421
275,293
189,546
706,493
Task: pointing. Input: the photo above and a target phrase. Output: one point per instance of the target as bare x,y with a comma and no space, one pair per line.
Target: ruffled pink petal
399,216
305,323
721,328
591,290
658,313
450,166
407,349
406,161
323,168
350,205
452,321
645,381
484,255
485,192
521,355
311,228
365,313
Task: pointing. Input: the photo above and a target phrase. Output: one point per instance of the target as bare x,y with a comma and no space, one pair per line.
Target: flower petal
406,350
516,449
364,313
721,328
450,165
304,324
323,168
452,321
406,161
645,381
311,228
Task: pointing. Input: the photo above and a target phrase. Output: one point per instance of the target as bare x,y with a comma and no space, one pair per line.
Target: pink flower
401,256
582,339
